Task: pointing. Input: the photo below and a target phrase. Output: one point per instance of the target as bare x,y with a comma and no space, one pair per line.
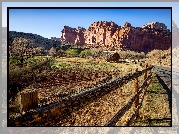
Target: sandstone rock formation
73,35
101,34
110,36
175,45
144,39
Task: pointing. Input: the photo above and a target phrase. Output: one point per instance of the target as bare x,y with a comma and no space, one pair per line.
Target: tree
23,48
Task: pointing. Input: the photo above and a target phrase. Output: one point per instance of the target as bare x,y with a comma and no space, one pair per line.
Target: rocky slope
110,36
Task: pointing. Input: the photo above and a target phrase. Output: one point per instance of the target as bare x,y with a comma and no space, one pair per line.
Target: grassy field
64,77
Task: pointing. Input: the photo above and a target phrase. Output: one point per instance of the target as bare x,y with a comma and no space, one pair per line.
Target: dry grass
155,56
83,74
102,110
76,59
98,113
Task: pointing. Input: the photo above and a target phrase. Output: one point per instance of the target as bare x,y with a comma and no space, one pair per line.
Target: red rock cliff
110,36
73,35
148,37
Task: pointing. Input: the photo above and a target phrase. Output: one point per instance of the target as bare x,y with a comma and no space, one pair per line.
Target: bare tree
52,51
23,48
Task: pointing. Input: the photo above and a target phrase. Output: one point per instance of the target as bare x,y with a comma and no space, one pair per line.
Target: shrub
85,53
96,52
72,52
52,51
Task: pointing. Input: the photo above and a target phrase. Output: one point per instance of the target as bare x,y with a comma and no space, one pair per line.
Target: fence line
122,111
66,106
130,121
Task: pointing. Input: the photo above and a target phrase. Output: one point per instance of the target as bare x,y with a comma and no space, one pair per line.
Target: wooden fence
65,107
134,99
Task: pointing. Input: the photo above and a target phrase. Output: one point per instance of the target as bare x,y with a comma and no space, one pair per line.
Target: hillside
38,40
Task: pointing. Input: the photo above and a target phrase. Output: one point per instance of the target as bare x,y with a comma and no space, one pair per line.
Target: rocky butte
108,35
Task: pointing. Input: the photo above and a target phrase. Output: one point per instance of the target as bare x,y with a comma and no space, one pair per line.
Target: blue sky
49,23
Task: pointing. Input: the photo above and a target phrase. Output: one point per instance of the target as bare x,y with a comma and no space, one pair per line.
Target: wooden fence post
150,70
136,102
145,74
29,99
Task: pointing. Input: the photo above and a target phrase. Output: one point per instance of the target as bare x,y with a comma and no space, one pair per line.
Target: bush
52,51
85,53
72,52
96,52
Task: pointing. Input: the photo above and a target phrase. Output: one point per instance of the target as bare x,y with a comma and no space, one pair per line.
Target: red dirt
62,84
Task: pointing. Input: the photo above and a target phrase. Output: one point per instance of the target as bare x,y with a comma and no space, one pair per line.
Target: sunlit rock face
110,36
73,35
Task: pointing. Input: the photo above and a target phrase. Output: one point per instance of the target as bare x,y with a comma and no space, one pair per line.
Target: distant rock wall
144,39
73,35
102,34
110,36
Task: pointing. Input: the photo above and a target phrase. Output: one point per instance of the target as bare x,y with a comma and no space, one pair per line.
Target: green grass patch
155,86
